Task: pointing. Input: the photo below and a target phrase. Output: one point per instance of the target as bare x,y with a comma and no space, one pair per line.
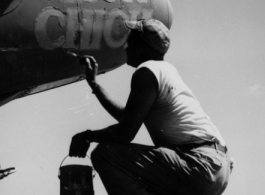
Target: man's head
148,40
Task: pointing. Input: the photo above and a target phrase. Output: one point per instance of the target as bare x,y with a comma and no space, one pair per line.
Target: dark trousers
133,169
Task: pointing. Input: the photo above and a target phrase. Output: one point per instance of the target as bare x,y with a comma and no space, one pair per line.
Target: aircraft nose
163,11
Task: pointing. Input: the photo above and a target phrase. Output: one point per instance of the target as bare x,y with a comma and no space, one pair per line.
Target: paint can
76,179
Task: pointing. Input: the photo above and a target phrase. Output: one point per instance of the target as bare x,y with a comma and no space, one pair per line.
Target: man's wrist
89,136
95,88
93,85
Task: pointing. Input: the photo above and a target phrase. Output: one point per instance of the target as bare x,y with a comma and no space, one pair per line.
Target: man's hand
91,70
91,67
79,145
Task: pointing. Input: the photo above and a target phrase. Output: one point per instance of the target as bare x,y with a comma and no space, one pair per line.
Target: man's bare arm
143,94
111,105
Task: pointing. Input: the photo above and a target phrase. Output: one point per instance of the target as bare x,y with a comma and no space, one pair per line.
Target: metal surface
36,34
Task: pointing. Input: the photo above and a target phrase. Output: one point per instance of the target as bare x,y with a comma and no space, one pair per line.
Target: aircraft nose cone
163,11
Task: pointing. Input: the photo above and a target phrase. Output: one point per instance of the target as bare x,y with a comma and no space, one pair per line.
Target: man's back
176,116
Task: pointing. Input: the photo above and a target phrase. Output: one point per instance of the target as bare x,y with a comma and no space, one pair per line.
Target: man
189,156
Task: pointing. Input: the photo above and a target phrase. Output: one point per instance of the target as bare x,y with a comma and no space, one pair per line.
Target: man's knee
108,153
98,152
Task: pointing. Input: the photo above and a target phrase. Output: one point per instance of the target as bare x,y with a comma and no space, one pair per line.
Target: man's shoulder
144,78
155,64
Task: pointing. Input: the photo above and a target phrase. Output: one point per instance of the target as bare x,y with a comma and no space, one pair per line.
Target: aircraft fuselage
36,34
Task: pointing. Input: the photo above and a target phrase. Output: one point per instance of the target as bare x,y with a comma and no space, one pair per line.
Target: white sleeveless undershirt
176,116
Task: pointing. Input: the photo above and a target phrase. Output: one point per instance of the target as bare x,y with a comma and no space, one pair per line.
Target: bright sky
218,48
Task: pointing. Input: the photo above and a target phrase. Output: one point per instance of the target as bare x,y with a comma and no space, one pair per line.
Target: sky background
218,46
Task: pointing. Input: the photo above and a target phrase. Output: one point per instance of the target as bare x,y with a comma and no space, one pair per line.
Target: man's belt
204,145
